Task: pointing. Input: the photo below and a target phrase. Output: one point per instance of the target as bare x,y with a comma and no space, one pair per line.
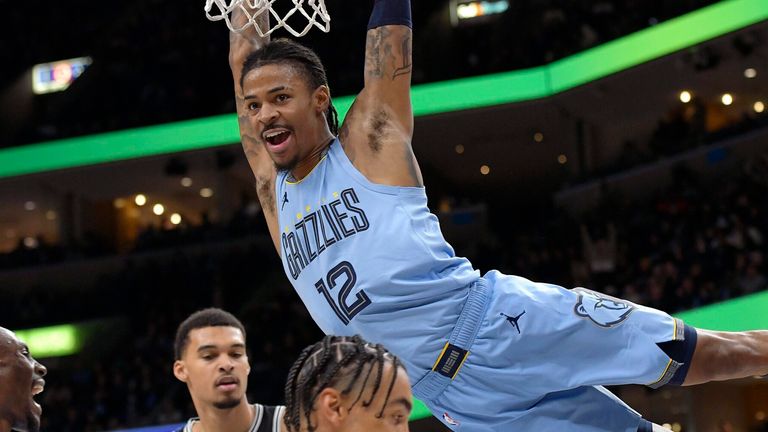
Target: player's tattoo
379,122
251,144
376,51
265,192
406,59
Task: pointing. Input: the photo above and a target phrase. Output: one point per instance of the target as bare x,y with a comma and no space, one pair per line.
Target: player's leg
541,348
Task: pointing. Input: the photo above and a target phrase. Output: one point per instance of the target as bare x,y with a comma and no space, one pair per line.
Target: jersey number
344,310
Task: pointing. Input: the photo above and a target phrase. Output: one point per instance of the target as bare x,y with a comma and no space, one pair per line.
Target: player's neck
305,166
237,419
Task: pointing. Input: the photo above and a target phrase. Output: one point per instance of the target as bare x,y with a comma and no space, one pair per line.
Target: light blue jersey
492,353
370,259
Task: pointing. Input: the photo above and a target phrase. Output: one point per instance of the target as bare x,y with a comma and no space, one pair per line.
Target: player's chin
229,401
285,163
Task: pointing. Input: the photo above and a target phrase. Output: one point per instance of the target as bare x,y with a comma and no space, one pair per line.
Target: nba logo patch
448,419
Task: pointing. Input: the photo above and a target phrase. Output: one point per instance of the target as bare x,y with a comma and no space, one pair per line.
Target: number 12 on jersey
343,309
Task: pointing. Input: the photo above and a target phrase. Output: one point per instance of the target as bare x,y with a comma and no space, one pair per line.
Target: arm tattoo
265,192
375,49
250,143
406,57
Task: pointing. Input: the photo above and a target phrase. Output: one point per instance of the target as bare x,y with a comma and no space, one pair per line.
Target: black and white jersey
267,419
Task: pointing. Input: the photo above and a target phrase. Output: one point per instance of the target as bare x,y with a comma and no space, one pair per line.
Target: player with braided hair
346,384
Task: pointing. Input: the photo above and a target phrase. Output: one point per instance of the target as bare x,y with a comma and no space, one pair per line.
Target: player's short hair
340,362
211,317
289,52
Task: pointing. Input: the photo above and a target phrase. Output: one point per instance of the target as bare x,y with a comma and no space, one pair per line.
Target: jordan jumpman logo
513,320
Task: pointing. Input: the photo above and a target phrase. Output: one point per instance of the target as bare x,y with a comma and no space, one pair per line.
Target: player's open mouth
275,137
37,387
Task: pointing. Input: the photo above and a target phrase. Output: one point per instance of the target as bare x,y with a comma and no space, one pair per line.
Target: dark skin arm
378,129
240,46
721,356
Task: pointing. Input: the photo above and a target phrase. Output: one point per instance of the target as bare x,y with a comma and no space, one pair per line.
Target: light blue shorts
538,354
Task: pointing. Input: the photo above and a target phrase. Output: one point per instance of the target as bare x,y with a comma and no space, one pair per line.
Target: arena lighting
175,218
727,99
50,215
56,341
30,205
206,192
685,96
759,107
140,200
562,159
186,181
485,170
459,149
158,209
475,9
538,137
750,73
57,76
483,91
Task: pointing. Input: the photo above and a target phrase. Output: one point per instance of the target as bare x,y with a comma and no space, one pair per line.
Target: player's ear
180,371
329,408
322,98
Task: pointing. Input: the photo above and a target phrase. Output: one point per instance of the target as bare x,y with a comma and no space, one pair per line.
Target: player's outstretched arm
721,356
240,46
378,129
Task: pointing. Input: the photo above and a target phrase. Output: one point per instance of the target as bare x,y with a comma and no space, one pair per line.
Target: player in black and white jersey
211,359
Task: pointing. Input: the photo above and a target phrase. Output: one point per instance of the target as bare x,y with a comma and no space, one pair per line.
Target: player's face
396,412
215,367
284,113
21,378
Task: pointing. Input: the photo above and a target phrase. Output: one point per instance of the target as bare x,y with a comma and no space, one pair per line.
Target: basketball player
344,384
211,359
348,214
21,378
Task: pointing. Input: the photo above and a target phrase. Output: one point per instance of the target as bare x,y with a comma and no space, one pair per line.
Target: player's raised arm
378,129
388,58
240,46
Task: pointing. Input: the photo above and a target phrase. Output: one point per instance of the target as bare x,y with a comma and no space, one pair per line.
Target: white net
309,13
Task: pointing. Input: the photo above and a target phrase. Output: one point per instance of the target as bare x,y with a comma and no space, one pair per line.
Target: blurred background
620,145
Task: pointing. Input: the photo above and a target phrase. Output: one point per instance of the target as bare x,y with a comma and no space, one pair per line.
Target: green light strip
56,341
741,314
420,411
448,96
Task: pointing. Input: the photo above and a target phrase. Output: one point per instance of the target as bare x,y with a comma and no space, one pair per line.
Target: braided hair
339,362
287,51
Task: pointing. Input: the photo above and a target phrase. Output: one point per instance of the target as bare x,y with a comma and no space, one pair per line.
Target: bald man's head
21,377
